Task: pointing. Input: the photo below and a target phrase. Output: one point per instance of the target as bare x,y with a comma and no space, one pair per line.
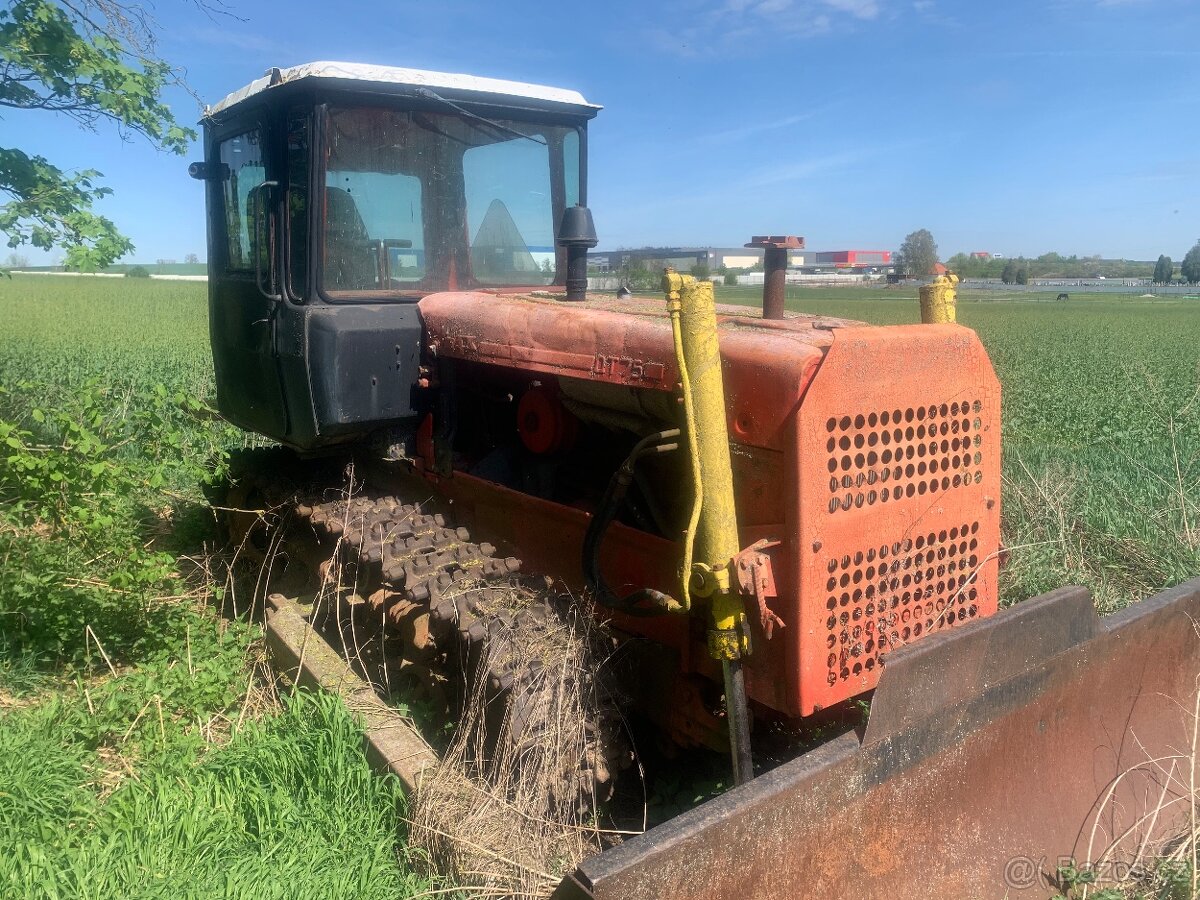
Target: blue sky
1013,127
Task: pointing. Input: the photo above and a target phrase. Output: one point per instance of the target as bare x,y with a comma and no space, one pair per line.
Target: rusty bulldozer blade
992,754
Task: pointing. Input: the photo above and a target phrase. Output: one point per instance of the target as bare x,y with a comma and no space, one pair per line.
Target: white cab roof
393,75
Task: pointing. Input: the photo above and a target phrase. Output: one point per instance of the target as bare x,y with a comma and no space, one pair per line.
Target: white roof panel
394,75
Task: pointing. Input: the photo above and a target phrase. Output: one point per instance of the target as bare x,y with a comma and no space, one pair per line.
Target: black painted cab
340,194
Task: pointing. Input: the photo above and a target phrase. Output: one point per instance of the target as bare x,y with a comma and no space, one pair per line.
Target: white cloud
235,40
860,9
755,128
733,26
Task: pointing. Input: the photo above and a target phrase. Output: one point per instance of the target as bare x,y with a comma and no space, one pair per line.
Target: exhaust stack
577,233
775,248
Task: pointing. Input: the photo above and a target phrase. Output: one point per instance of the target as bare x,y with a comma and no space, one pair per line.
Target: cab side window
297,203
243,157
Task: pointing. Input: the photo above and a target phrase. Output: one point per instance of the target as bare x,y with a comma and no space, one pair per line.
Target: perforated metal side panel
899,500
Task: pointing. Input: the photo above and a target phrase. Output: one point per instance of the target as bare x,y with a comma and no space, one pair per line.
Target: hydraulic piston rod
714,531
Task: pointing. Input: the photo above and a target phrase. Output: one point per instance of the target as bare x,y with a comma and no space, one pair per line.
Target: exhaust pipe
577,233
775,248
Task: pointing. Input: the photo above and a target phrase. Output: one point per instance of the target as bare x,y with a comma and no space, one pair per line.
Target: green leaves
93,63
51,208
1189,270
917,255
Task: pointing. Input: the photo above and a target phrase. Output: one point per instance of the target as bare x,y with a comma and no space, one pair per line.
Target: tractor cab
340,194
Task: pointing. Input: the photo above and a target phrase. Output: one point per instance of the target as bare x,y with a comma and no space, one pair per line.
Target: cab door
243,291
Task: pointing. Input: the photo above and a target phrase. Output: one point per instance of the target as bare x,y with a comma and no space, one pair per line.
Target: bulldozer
781,518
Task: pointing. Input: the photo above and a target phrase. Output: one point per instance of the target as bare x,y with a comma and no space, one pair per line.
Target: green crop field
143,752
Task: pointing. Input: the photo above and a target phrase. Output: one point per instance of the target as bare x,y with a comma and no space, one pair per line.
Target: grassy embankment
144,751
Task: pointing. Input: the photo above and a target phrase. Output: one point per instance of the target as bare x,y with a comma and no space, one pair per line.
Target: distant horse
1062,297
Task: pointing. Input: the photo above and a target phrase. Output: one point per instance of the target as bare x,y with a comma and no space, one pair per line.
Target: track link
453,603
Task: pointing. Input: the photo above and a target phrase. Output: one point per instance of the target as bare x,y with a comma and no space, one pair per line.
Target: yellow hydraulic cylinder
716,538
938,300
712,532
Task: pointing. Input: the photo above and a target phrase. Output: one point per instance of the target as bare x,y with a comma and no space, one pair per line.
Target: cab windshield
422,201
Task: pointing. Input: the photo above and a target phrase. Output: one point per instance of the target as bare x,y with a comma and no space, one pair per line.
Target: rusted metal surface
908,517
896,523
993,753
767,364
756,579
775,248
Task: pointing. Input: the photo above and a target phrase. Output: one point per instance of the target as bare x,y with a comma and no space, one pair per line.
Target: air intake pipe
577,233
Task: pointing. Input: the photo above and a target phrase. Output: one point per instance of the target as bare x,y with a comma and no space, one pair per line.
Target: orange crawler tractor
792,511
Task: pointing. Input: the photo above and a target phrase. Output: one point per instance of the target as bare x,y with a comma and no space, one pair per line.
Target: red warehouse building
853,259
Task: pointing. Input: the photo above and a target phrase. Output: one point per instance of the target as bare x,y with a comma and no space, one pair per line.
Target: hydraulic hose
646,601
689,415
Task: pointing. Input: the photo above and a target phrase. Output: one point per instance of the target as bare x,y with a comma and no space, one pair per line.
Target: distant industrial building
684,259
850,259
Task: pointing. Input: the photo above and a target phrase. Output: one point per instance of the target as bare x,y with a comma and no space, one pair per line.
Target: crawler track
444,609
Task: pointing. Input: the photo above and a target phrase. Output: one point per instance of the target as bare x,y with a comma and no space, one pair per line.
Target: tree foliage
1009,273
1163,270
1189,269
1051,265
94,61
1022,276
918,255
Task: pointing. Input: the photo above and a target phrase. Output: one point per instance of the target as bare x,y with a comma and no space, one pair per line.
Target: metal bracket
756,579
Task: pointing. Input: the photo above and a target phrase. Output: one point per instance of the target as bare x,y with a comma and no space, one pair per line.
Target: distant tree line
1018,270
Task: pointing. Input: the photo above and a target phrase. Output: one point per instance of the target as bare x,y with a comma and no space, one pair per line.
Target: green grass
287,807
143,752
139,756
